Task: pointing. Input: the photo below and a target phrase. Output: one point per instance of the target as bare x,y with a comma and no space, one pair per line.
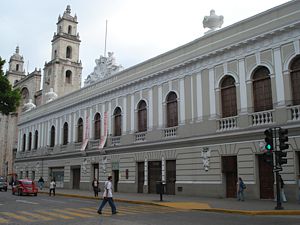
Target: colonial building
193,117
61,76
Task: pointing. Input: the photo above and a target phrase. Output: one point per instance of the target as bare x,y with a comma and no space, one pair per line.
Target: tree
9,98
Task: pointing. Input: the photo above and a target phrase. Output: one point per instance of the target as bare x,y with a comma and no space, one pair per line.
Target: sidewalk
225,205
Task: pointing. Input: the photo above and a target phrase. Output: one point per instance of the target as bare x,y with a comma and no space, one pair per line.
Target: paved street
58,210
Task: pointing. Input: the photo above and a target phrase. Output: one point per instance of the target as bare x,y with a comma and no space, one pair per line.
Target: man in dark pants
108,197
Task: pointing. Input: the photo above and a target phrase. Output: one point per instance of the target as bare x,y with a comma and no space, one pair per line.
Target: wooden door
141,177
154,175
76,178
266,179
229,168
116,180
170,177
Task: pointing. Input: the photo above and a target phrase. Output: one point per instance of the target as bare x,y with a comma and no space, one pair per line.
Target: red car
24,187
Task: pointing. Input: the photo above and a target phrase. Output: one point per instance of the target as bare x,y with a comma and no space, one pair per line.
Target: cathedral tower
63,72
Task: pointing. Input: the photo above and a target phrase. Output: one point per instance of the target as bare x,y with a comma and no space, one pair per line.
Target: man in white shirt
108,197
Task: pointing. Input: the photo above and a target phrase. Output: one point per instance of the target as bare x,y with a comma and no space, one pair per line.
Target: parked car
3,184
24,187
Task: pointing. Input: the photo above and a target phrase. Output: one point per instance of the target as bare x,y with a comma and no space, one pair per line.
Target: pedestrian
52,187
95,185
108,197
241,188
41,183
283,198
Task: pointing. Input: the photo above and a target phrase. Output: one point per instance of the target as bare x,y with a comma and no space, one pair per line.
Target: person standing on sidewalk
108,197
95,185
52,187
283,198
41,183
241,187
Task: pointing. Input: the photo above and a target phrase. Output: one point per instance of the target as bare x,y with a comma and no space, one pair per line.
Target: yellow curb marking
186,205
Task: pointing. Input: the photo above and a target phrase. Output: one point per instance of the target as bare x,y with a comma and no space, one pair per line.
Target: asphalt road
45,210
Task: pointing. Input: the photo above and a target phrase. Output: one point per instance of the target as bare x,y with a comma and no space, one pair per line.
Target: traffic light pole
277,176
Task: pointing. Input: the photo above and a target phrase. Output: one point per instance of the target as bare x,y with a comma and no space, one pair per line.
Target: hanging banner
86,132
104,136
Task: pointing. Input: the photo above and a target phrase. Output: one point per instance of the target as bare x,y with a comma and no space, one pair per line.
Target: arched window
117,121
29,141
24,143
69,29
97,126
228,97
52,136
172,110
262,92
17,67
142,116
36,139
68,76
80,130
65,133
295,80
69,52
25,95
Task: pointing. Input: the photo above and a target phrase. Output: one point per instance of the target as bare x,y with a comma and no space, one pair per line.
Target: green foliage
9,98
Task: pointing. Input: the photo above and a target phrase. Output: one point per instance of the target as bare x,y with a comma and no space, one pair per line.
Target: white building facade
193,117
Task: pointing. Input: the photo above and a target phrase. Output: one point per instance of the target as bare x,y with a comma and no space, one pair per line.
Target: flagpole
105,39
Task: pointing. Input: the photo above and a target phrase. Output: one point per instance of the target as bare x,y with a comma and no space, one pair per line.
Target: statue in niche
206,156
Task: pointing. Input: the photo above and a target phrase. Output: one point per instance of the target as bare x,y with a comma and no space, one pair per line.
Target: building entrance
76,178
154,175
229,169
170,177
141,177
266,179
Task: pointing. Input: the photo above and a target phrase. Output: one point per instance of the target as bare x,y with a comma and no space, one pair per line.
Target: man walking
52,187
108,197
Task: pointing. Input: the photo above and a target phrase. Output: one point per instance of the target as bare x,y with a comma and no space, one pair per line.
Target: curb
218,210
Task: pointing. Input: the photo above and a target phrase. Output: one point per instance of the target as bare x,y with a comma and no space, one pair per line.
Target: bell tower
63,72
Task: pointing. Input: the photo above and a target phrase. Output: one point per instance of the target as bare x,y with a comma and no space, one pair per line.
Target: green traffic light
268,147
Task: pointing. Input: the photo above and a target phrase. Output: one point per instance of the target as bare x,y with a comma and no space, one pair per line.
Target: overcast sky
137,29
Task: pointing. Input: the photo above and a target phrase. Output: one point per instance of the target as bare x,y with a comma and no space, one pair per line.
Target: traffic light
283,138
269,140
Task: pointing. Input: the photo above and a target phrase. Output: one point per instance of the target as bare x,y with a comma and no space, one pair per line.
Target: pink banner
86,132
104,136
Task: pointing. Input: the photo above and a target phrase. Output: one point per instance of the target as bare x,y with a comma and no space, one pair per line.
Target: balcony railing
295,112
141,136
228,123
170,132
261,118
115,140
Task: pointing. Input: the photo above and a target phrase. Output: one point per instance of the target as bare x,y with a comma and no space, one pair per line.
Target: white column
279,77
146,172
243,87
102,118
91,116
74,127
199,97
160,109
109,117
61,131
296,46
39,135
48,133
32,137
42,135
124,115
85,114
192,99
70,125
212,95
57,131
182,101
132,112
19,140
163,169
150,109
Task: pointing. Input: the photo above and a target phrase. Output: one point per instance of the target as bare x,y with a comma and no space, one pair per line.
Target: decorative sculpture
105,67
212,21
29,106
50,96
206,155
